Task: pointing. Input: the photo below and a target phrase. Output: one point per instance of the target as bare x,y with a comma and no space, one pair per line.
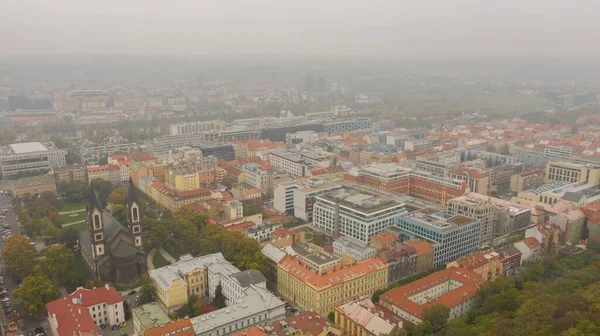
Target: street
30,323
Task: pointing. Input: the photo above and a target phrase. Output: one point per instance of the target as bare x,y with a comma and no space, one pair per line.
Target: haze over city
374,29
315,168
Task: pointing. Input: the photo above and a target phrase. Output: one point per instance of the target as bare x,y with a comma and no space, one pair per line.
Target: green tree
147,291
437,315
194,306
59,141
35,291
103,188
50,231
331,316
18,256
118,212
219,300
68,236
118,196
57,261
157,233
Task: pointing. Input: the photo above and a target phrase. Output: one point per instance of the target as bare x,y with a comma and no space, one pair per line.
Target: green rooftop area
150,315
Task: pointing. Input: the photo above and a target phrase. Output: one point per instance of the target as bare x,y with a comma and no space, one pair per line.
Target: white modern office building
354,212
29,157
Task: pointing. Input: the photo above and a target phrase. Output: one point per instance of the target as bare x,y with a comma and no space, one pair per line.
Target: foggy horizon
547,30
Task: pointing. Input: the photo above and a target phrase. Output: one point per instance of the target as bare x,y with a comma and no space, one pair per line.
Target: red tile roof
531,242
71,311
399,297
421,246
254,331
385,237
332,276
182,327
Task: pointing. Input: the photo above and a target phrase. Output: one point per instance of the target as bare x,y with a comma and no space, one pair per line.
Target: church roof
123,249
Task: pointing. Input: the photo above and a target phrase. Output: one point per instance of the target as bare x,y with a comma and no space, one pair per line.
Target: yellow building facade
174,284
323,291
571,172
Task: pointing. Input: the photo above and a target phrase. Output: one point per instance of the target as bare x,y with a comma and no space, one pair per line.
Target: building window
96,221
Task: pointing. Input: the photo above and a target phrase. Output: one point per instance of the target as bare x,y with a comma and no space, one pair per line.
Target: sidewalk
167,256
149,259
70,212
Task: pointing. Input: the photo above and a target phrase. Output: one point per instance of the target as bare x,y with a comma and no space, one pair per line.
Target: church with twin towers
112,250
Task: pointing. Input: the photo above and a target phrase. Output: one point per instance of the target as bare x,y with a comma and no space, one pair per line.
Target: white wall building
85,310
356,213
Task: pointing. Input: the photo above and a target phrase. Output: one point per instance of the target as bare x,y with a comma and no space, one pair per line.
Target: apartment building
390,177
201,173
571,172
539,158
305,196
29,157
138,170
486,264
508,216
85,310
163,144
417,145
356,213
284,196
478,209
476,180
345,247
323,291
453,287
492,159
401,258
70,174
529,178
86,151
34,185
306,323
359,317
191,127
172,199
452,236
110,173
347,125
510,257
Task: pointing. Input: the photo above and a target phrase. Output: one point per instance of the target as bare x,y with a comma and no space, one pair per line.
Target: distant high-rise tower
310,84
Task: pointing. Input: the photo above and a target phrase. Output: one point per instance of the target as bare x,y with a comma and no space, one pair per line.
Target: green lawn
159,261
66,206
72,217
80,268
79,226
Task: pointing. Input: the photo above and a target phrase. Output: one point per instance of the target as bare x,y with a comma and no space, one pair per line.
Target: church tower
95,224
132,208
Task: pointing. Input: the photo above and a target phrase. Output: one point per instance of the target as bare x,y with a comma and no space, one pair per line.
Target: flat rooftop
360,199
28,147
150,315
437,218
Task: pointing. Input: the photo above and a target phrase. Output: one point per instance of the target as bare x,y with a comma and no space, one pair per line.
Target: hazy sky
317,28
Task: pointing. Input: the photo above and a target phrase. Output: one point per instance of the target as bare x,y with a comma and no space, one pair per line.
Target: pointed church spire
93,201
131,195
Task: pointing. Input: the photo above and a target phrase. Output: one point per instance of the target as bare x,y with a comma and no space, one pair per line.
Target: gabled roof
249,277
71,311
